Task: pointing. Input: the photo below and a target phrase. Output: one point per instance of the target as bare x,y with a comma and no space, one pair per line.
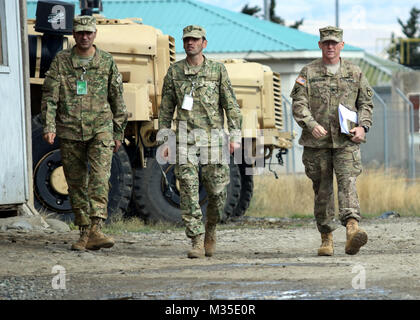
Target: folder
348,119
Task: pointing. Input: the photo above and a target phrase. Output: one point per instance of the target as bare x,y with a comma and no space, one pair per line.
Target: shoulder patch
301,81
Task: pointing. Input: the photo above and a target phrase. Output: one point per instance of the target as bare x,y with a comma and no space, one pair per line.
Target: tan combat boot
197,250
97,239
210,239
356,237
327,247
80,245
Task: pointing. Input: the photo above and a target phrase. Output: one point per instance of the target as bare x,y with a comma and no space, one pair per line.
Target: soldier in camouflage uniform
200,91
82,104
319,89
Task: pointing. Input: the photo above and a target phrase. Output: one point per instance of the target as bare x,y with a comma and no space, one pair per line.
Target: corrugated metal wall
13,163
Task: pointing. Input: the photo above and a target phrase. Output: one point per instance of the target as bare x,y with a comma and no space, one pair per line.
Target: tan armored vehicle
139,185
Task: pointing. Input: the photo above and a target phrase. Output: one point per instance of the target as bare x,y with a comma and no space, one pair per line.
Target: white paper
188,102
345,114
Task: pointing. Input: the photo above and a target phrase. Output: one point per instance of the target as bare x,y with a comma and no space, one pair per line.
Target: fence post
288,103
385,119
412,165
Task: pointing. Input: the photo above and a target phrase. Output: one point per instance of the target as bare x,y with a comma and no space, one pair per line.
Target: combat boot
327,246
210,239
356,237
197,250
97,239
80,245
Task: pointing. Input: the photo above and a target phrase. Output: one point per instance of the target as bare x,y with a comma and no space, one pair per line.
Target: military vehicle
139,184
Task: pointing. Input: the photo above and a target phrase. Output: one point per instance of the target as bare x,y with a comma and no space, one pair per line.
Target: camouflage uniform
212,96
316,96
87,125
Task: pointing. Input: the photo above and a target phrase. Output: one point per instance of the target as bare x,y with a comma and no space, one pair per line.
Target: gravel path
255,259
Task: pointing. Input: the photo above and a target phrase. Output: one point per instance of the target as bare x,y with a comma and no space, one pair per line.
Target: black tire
154,201
247,190
46,157
233,191
121,184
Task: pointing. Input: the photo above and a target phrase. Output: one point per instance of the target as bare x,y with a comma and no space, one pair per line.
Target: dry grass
121,225
292,195
379,192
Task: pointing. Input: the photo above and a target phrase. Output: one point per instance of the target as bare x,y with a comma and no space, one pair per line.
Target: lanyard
84,72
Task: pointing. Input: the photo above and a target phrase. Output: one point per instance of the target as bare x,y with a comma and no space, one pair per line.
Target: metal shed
15,141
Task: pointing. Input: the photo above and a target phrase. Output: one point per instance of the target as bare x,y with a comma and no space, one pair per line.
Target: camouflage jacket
81,117
212,94
316,96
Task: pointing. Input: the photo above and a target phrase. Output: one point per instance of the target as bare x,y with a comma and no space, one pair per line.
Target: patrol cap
193,32
84,23
331,33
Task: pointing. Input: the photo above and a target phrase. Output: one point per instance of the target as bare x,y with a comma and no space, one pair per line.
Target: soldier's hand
233,146
117,145
319,132
359,134
49,137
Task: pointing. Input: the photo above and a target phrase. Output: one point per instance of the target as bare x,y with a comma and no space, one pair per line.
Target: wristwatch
366,128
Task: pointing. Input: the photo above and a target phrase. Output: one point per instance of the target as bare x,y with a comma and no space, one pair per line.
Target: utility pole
266,10
337,13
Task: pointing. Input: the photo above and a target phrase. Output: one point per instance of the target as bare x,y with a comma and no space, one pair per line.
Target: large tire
247,189
46,158
121,184
154,201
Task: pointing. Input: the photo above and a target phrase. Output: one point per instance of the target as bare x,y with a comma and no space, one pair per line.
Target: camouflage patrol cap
84,23
331,33
193,32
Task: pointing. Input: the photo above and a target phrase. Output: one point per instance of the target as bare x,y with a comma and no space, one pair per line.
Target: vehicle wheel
50,188
247,189
121,183
46,160
233,191
155,201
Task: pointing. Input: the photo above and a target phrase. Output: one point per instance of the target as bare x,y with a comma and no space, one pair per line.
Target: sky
367,24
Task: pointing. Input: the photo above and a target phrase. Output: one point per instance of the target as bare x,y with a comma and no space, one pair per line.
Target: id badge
187,104
81,87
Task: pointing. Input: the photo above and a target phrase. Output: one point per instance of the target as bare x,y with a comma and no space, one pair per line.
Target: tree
411,28
252,11
409,54
272,14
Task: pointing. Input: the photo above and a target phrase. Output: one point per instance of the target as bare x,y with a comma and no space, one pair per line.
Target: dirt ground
255,259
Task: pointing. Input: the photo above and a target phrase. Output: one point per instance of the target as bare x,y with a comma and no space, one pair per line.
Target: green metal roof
227,31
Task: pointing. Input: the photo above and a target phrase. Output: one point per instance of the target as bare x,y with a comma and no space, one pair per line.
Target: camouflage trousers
320,166
215,178
87,167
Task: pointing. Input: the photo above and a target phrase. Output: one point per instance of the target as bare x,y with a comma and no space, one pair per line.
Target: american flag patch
301,81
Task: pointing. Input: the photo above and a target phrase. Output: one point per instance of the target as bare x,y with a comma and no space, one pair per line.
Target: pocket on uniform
210,93
108,143
70,82
319,89
357,161
311,168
